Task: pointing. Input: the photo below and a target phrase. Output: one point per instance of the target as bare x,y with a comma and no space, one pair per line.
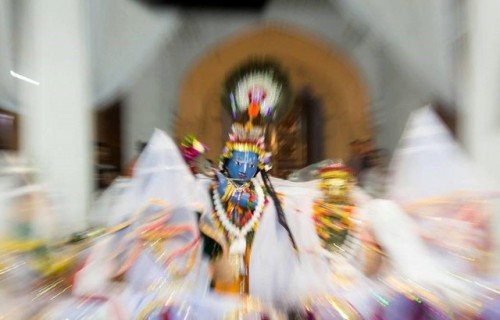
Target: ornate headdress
336,171
248,139
255,95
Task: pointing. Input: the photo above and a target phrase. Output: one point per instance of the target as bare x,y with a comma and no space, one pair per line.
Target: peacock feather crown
336,171
258,93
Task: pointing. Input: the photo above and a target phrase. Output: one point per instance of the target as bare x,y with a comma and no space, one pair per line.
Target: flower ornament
198,146
191,148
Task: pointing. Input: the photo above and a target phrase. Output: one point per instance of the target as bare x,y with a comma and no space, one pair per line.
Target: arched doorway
312,66
9,130
297,140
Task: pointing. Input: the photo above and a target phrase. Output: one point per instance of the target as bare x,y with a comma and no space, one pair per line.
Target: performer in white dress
448,199
260,242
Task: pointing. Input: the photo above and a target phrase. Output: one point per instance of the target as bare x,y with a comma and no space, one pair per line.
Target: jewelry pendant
237,263
242,270
234,262
238,246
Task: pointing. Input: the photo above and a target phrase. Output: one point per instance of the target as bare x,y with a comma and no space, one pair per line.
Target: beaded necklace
237,234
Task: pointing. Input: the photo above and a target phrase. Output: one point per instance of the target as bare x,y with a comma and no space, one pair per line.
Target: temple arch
331,76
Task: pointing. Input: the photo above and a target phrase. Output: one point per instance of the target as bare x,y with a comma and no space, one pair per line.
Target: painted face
337,189
243,165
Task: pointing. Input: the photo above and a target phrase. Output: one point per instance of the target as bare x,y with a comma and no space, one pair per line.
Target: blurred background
83,83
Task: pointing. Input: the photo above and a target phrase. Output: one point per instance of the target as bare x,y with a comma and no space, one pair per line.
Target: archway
332,77
9,130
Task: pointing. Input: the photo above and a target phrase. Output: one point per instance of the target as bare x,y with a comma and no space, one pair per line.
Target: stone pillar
146,107
56,125
480,113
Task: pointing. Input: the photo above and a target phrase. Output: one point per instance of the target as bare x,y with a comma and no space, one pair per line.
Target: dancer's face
243,165
337,189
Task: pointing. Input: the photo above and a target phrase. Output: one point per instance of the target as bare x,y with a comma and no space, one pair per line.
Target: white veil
428,163
162,180
105,203
160,172
279,274
439,185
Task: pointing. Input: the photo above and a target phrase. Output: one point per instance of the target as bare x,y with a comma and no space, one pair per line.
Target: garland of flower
323,214
238,245
351,244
